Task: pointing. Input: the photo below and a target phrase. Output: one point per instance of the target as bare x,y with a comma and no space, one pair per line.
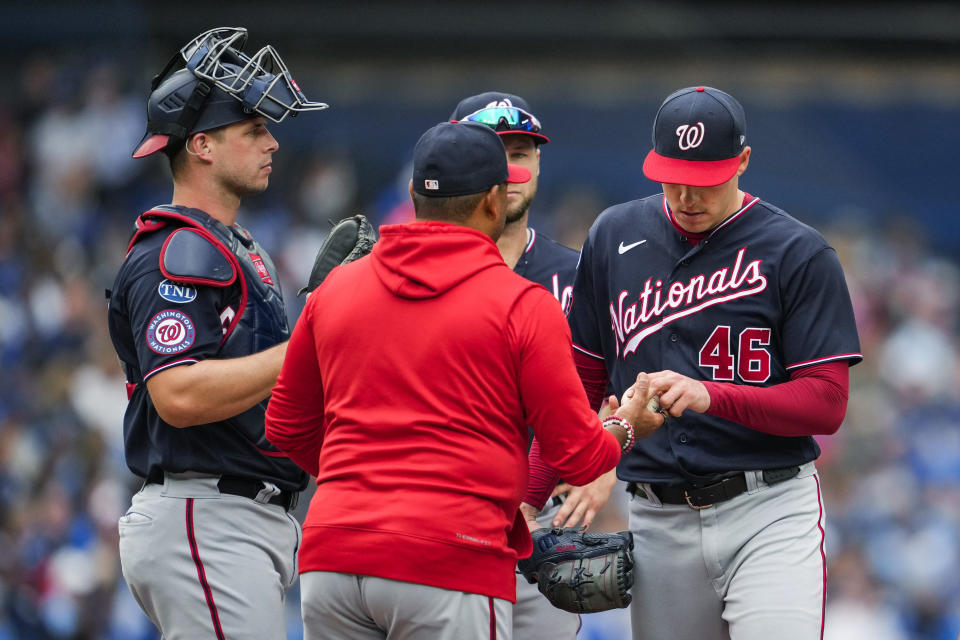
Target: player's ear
492,209
198,145
744,161
495,202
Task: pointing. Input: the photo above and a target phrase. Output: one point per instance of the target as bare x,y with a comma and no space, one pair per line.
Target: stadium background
852,112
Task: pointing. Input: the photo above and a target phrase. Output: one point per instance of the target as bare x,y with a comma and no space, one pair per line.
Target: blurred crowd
68,195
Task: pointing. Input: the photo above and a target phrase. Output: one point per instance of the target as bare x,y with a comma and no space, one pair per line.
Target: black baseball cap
505,113
456,159
698,134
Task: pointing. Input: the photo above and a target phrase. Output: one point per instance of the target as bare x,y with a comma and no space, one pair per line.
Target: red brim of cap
696,173
539,138
151,145
517,174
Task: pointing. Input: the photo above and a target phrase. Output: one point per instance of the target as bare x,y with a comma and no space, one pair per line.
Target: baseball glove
351,238
581,572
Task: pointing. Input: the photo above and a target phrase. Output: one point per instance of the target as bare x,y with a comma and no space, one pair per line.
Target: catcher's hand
581,572
351,238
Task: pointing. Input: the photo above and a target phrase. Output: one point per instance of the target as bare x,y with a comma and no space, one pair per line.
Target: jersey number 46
751,362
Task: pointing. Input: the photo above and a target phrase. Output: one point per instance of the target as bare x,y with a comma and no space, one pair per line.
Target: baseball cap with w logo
698,134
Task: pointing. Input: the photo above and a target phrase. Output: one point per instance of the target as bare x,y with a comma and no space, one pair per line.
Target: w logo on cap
689,136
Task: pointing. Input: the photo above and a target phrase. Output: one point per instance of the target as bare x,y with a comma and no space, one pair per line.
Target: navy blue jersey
157,323
761,295
550,264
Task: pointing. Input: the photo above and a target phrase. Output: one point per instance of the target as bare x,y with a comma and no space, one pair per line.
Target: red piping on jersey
196,280
144,226
842,356
533,238
696,237
168,365
270,454
233,259
587,352
823,558
201,574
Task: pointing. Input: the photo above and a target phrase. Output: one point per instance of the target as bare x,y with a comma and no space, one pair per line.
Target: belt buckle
686,495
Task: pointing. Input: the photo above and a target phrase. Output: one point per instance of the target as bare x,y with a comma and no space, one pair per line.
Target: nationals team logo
660,303
171,331
690,136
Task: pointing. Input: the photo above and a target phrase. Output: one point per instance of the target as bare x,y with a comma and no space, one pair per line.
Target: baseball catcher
351,238
581,572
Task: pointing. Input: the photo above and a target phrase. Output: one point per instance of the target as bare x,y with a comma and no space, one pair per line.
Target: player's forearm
541,478
214,390
813,402
593,377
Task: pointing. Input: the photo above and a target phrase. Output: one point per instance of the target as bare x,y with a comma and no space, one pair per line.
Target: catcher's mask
211,83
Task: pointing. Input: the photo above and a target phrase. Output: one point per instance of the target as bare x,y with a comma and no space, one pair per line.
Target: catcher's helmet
219,85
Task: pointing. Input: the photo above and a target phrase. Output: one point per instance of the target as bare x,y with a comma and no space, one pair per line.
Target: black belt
245,487
708,495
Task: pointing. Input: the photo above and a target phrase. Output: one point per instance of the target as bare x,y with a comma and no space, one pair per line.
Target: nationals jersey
550,264
761,295
230,309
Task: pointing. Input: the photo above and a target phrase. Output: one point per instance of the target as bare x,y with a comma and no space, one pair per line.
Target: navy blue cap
456,159
698,135
499,118
167,102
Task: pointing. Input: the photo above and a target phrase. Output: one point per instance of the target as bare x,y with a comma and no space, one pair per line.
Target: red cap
698,136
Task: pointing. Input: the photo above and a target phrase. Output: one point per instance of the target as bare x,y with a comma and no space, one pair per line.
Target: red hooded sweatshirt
407,388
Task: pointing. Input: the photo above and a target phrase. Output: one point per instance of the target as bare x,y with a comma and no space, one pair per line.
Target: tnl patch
261,268
171,331
175,292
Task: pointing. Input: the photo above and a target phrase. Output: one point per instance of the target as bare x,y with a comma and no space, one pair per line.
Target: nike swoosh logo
626,247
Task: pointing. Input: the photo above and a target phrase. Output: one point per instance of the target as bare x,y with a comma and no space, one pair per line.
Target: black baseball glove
581,572
351,238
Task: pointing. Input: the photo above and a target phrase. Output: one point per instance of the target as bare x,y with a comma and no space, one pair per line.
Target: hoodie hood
425,259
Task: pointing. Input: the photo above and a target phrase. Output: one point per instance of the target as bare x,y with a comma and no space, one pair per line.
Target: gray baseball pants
341,606
206,565
750,568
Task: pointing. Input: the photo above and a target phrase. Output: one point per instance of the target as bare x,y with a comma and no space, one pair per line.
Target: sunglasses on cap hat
505,119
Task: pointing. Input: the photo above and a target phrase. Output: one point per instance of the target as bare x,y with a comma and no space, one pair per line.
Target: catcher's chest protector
202,251
257,320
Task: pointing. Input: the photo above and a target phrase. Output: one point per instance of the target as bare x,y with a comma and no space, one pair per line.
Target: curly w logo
690,136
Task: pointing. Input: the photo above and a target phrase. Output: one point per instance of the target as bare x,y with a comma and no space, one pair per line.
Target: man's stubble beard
244,188
516,213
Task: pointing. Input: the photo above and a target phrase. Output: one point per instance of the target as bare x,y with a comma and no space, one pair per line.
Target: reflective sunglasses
505,119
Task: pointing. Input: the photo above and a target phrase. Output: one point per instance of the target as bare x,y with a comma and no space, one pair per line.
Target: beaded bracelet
631,438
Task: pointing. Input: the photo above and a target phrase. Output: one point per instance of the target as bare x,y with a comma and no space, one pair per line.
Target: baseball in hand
653,404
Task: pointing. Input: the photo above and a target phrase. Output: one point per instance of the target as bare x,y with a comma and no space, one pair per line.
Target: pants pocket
134,519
